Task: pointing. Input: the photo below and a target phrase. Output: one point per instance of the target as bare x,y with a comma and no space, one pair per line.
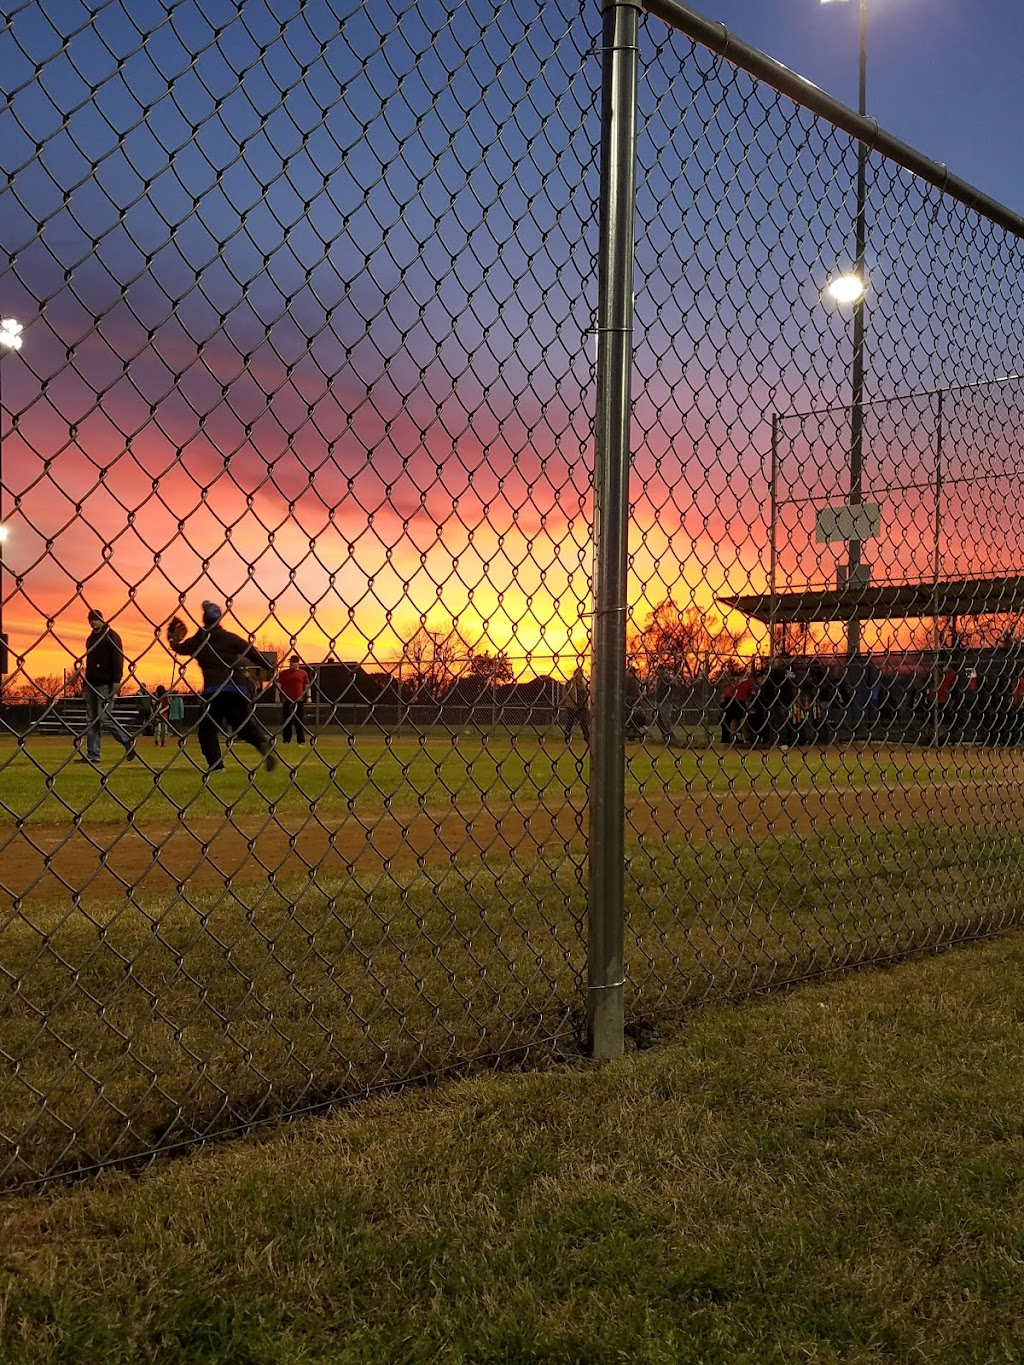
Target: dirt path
101,862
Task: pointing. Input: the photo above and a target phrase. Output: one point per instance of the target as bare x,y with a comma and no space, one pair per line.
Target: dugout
958,599
956,691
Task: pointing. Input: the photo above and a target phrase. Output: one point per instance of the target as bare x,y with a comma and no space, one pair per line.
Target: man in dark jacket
667,709
576,704
104,669
227,701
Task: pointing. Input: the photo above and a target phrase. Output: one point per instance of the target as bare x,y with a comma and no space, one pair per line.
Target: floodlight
849,288
10,333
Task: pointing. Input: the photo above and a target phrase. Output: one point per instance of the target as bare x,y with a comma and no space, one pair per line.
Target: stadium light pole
849,288
10,340
937,569
857,297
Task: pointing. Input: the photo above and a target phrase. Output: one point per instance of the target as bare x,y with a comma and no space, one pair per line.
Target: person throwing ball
227,703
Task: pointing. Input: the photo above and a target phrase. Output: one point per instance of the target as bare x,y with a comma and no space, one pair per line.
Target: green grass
831,1175
146,1023
146,1020
40,785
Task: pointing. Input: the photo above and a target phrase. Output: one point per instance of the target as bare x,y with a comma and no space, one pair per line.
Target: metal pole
773,534
606,924
4,652
857,378
936,569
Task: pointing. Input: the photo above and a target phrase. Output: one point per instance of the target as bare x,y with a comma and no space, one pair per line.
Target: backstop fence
584,614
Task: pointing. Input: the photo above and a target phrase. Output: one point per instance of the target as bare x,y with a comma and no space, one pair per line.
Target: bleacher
68,718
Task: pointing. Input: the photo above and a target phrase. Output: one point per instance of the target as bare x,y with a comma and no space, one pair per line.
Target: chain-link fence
850,544
326,329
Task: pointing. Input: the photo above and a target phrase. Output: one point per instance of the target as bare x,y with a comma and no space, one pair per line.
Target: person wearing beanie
227,704
101,682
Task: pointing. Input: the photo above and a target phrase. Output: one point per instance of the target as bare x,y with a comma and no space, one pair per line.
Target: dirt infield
101,862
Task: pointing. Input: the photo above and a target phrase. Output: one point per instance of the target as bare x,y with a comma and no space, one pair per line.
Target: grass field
184,958
40,784
135,1026
830,1175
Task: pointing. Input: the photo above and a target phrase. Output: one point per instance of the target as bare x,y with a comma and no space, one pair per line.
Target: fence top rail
903,397
715,36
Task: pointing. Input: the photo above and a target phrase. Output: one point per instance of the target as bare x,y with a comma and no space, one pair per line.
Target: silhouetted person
227,699
104,669
638,713
576,704
667,712
747,716
775,699
734,707
161,714
144,706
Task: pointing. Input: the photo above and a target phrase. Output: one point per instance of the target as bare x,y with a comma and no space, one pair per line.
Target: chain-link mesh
307,307
306,297
834,735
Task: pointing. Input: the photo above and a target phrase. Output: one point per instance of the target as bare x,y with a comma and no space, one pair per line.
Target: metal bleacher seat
68,718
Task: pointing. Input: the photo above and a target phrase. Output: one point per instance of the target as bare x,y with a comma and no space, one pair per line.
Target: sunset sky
309,301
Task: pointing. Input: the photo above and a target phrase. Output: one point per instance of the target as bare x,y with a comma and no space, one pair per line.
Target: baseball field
184,956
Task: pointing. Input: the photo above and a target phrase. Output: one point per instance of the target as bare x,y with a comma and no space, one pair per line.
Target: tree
47,687
794,639
431,661
267,645
1003,630
491,668
903,637
683,644
998,630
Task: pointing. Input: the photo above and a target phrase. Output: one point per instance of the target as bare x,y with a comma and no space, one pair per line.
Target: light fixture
849,288
10,333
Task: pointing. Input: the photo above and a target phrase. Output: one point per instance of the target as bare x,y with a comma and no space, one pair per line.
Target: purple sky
944,75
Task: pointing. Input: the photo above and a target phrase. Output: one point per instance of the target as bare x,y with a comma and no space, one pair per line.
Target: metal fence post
936,572
605,973
773,539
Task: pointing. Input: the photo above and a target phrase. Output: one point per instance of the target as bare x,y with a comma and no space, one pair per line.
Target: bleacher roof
959,597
